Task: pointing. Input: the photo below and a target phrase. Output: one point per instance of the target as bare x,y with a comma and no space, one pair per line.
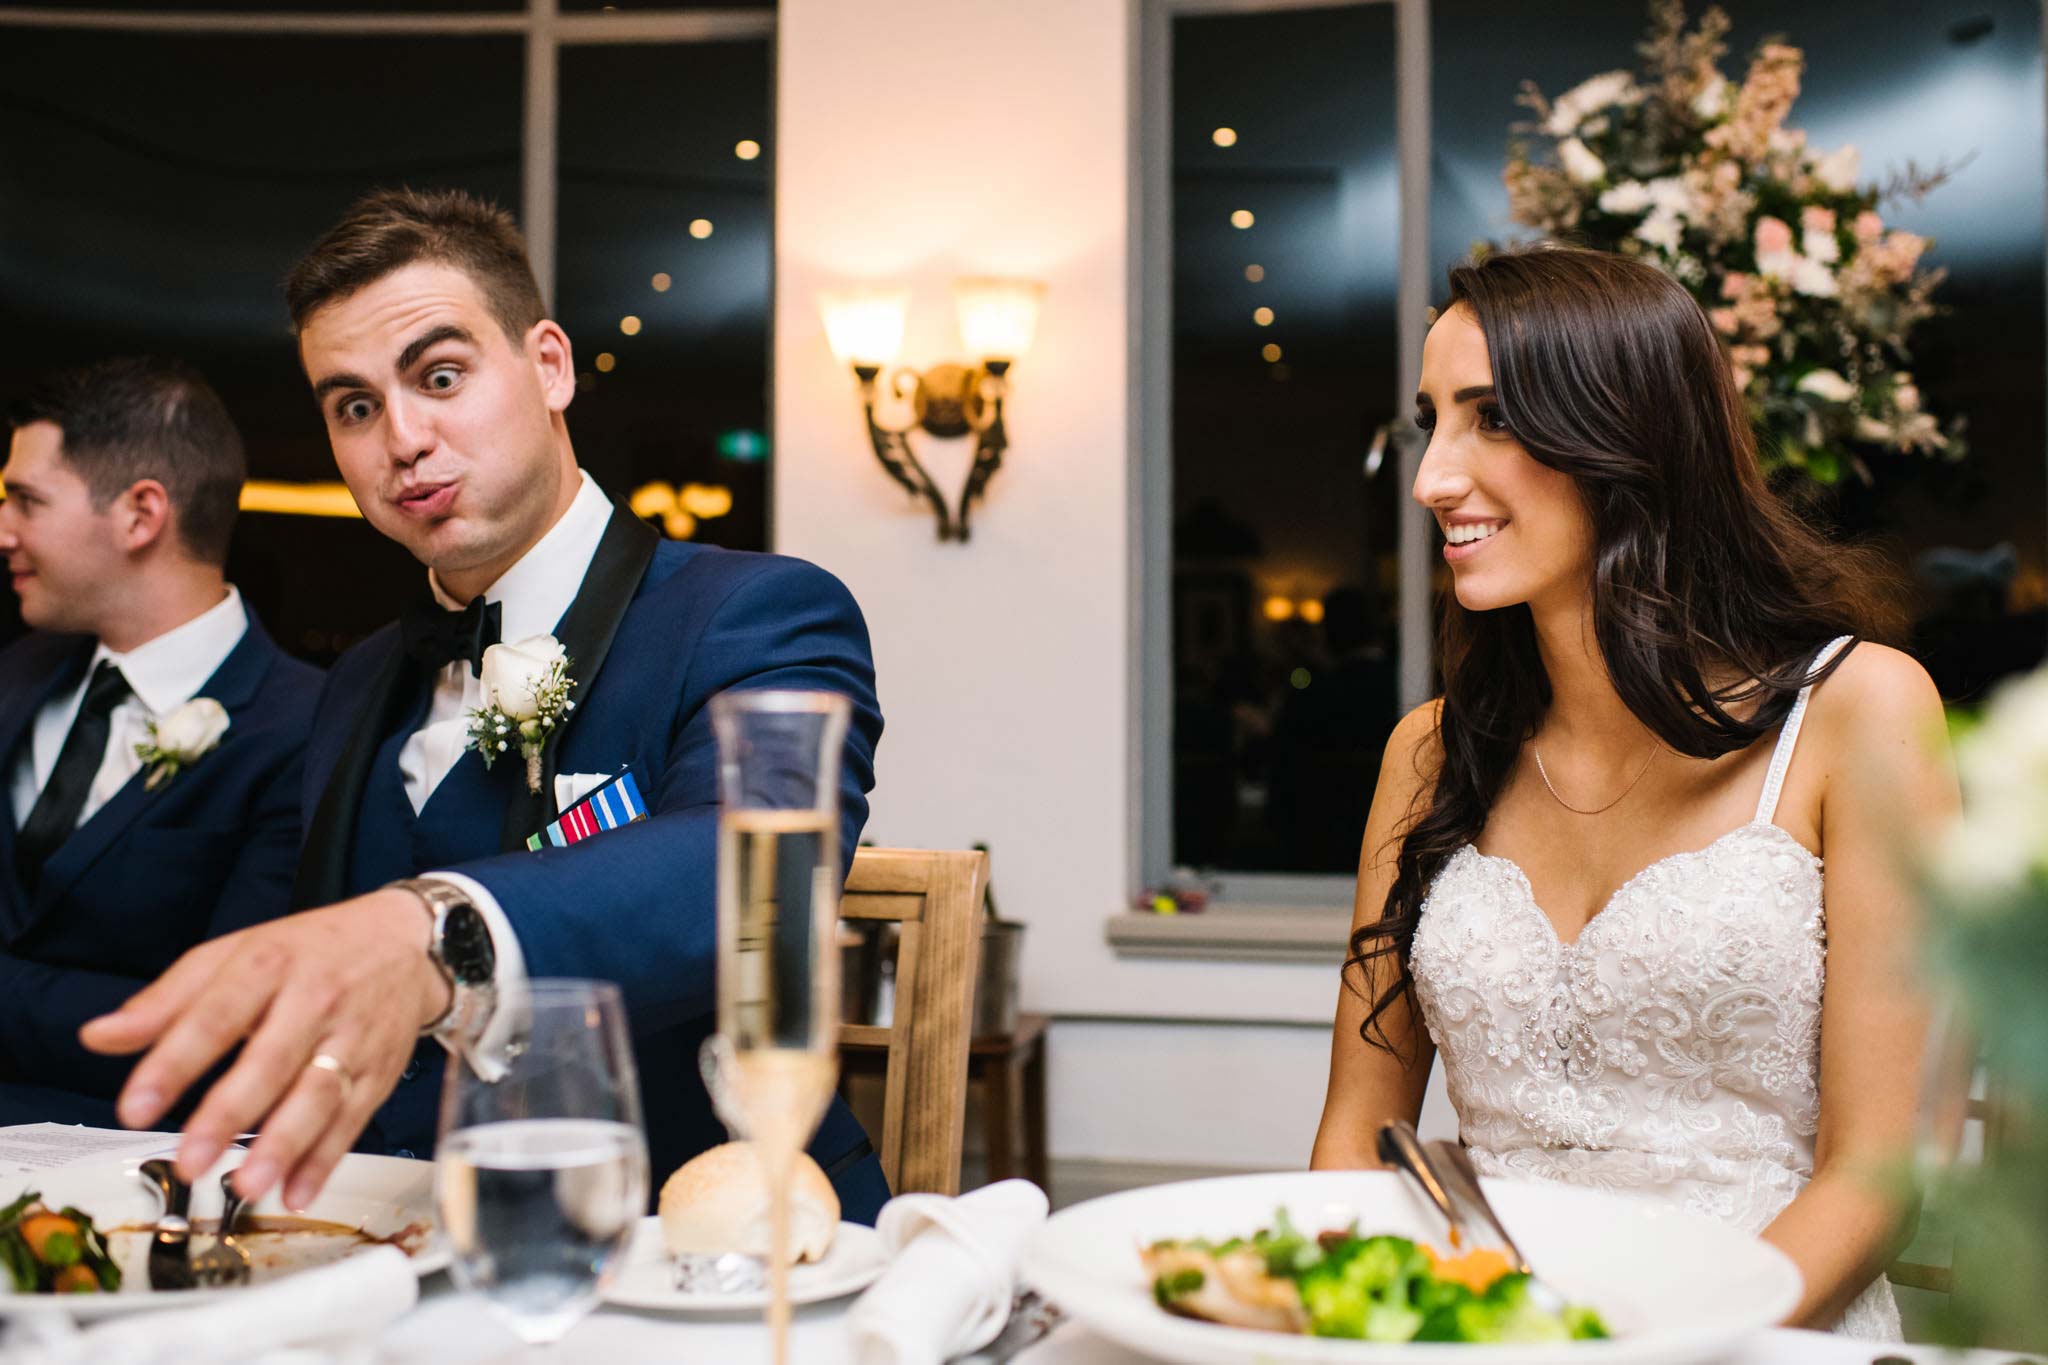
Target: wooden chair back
935,896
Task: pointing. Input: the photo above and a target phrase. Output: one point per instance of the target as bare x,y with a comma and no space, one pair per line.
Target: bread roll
718,1202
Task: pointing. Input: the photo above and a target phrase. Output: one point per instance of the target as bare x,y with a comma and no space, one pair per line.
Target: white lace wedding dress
1671,1052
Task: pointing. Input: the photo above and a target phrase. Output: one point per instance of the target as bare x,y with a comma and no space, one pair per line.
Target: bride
1592,875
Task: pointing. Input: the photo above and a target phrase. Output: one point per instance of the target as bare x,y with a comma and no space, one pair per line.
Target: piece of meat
1236,1291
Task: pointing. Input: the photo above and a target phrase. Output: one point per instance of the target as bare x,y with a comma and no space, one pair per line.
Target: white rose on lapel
515,675
181,739
526,696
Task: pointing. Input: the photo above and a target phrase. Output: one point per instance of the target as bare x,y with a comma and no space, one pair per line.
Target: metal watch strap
437,898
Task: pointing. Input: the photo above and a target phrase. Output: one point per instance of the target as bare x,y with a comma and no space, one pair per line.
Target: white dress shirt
162,676
532,595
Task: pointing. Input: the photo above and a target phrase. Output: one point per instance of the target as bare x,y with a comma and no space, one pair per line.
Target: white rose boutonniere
181,739
526,696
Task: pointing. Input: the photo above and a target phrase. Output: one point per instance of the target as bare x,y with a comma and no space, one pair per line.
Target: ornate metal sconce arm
892,448
948,401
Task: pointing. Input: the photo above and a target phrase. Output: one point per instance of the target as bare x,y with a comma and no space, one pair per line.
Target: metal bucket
867,975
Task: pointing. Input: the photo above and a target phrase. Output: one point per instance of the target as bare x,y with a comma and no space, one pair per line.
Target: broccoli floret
1178,1285
1365,1287
1583,1324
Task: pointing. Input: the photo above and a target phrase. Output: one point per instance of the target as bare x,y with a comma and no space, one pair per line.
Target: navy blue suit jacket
151,874
634,905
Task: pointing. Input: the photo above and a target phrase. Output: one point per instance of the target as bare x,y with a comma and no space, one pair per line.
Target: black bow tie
437,637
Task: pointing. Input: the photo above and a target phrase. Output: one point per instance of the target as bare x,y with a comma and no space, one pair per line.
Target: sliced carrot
77,1279
37,1229
1477,1269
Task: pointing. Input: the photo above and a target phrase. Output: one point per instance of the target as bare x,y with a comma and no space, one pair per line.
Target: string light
1271,351
630,325
1263,316
1242,218
605,361
700,228
1255,273
746,149
1224,137
661,282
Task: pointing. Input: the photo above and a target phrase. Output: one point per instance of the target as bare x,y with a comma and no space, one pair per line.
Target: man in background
122,483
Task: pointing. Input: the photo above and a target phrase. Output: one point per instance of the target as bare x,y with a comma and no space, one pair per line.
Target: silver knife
170,1250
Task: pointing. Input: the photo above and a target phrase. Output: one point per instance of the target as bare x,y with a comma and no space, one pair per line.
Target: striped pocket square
616,803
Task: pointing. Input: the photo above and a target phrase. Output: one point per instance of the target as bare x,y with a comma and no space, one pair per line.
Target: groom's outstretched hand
351,984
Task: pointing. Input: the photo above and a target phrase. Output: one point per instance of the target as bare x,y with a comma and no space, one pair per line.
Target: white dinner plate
646,1279
1674,1288
382,1197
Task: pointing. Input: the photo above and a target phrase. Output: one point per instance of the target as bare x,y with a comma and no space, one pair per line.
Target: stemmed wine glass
541,1173
778,956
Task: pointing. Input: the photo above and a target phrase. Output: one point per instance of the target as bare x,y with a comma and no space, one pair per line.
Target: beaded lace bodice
1671,1052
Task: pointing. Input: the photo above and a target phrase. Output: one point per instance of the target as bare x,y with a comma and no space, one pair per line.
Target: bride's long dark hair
1607,370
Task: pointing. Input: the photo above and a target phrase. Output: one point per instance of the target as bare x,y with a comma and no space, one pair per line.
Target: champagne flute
541,1172
778,949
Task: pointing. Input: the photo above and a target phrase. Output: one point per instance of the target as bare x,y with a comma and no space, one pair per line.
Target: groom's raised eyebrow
433,336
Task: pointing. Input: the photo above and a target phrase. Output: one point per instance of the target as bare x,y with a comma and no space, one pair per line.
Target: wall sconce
997,319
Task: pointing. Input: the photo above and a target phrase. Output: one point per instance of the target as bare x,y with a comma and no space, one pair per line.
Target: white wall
916,141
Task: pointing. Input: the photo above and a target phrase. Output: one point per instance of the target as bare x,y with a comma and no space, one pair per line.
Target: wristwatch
461,948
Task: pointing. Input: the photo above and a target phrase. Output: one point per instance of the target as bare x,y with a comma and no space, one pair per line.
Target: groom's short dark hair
388,230
138,418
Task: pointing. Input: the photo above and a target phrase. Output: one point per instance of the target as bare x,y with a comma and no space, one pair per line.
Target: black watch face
466,945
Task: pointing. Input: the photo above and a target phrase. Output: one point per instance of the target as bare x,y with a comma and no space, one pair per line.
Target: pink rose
1734,285
1723,320
1817,219
1905,248
1869,227
1773,235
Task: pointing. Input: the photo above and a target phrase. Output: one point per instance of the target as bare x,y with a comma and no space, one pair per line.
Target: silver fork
226,1262
1454,1164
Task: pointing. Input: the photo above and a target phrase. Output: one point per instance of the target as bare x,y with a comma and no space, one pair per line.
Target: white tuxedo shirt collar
535,591
168,671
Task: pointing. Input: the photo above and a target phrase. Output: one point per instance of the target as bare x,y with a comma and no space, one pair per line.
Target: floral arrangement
1183,893
1813,294
1989,885
526,696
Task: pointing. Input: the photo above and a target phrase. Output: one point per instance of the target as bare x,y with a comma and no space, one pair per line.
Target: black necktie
436,637
55,813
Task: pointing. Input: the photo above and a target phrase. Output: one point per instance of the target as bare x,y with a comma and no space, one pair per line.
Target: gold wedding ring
334,1065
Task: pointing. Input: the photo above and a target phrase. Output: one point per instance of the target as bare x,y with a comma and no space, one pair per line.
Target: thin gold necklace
1576,810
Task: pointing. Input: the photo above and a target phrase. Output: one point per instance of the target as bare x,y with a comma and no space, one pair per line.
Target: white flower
1579,162
1713,98
191,730
1589,97
1873,429
1786,140
514,674
1820,246
1906,393
1630,196
1661,228
1837,170
1813,278
1827,385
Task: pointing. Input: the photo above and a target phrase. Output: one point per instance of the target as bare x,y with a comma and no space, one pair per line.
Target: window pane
137,217
1903,81
1285,246
663,272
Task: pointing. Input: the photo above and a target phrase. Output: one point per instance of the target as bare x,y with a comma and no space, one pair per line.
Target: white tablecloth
450,1329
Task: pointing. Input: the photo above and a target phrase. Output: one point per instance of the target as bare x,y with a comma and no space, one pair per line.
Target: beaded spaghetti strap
1781,757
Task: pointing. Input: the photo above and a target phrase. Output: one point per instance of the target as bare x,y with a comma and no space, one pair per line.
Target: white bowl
1673,1287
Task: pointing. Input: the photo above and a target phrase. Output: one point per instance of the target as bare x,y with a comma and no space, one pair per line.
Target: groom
443,386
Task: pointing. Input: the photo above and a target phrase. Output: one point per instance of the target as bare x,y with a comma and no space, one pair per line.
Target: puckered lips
426,499
1467,534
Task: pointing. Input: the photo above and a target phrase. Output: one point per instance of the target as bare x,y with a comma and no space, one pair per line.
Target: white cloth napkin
354,1298
948,1287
